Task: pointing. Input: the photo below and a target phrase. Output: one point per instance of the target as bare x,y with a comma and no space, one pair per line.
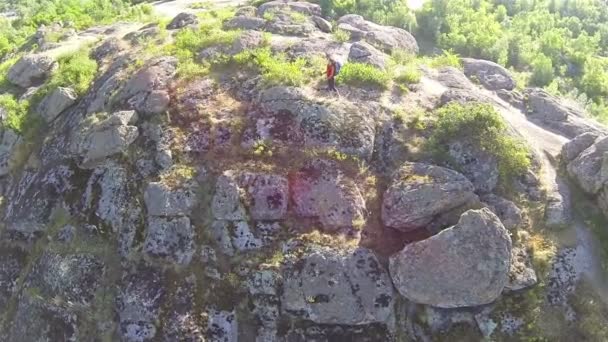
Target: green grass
189,70
359,74
486,129
17,112
409,74
448,58
341,36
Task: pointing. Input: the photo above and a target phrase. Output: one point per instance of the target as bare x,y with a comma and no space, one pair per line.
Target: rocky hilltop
216,192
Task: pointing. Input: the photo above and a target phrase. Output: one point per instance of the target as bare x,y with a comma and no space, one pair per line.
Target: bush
448,58
17,112
542,71
76,70
275,69
485,128
410,74
359,74
341,35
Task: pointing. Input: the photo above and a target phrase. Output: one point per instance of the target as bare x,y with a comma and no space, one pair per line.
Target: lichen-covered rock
287,115
465,265
12,262
37,320
558,210
479,166
148,90
96,141
489,74
510,215
550,112
9,145
163,200
182,20
265,196
386,38
138,305
590,168
183,323
420,192
109,194
222,326
231,236
321,191
72,277
245,23
576,146
337,286
462,96
248,40
170,239
303,7
521,275
362,52
56,102
31,70
452,77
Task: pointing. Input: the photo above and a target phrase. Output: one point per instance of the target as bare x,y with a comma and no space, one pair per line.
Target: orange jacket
331,70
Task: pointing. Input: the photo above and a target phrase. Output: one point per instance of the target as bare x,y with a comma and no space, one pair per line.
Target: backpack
337,67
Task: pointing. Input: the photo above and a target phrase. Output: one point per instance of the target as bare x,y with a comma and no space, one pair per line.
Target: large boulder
148,90
303,7
242,195
97,140
39,320
452,77
465,265
590,168
31,70
320,190
170,239
138,304
56,102
491,75
287,115
362,52
386,38
337,286
72,277
576,146
510,215
182,20
550,112
322,24
420,192
9,145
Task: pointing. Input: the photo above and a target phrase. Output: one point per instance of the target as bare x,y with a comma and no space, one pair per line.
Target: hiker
333,69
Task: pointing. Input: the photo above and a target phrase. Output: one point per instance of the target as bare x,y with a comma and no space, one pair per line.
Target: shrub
409,74
359,74
402,57
448,58
542,71
17,112
275,69
76,70
485,128
341,35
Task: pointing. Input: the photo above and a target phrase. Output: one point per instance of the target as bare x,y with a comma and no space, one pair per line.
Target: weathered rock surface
590,168
264,196
510,215
462,96
245,23
480,167
9,145
555,115
521,274
322,24
576,146
222,326
12,262
31,70
491,75
287,115
37,320
139,302
182,20
336,286
362,52
321,191
386,38
170,239
163,200
72,277
99,140
452,77
147,91
296,6
465,265
56,102
184,323
420,192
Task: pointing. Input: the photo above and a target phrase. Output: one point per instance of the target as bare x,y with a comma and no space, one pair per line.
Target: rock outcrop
56,102
9,146
183,20
489,74
386,38
362,52
465,265
31,70
420,192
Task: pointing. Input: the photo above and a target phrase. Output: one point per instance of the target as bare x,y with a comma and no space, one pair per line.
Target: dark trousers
331,84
